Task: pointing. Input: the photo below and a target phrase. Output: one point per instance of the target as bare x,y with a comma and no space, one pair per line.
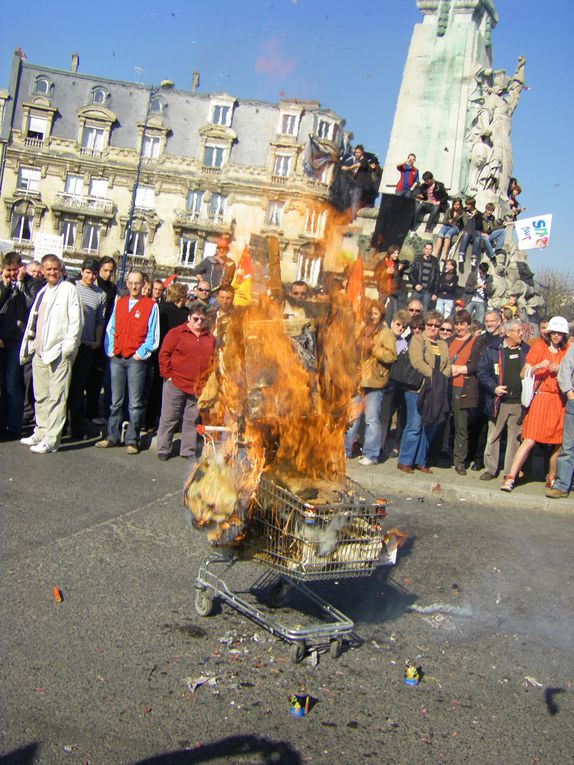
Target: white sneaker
366,461
30,440
43,448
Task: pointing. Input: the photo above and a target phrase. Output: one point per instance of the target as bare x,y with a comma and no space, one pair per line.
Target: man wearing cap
131,337
219,268
93,301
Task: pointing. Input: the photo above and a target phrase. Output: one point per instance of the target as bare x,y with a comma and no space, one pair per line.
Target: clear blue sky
347,56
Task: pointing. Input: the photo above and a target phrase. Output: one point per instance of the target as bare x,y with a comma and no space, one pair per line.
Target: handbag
403,373
528,387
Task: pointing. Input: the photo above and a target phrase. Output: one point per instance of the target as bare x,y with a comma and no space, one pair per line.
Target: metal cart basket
301,541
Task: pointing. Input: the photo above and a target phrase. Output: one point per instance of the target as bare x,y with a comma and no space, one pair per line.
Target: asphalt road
105,677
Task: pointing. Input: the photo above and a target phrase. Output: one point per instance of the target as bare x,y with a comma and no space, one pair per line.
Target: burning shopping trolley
301,535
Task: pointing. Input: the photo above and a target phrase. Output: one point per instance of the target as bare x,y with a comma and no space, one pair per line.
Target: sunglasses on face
197,318
431,324
444,329
413,310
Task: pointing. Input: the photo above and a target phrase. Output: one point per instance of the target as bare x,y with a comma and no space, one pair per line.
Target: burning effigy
283,389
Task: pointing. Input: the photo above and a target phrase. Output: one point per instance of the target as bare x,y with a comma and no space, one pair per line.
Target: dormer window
325,129
282,165
93,139
213,155
99,96
41,86
37,128
156,106
221,115
151,146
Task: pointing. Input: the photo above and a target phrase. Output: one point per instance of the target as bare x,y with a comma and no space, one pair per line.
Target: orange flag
169,280
355,287
242,279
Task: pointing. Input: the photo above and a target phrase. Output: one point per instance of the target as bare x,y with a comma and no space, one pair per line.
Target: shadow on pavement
24,756
271,752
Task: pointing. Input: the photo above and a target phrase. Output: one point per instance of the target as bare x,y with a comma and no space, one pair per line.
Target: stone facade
86,156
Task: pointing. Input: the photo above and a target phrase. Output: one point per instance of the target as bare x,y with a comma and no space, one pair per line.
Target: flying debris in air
446,148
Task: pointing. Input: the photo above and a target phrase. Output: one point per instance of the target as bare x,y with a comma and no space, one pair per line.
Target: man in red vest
131,337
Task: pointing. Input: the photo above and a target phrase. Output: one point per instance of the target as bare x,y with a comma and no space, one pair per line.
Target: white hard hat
558,324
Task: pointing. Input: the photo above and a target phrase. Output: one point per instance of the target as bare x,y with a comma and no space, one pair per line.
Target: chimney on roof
75,62
195,82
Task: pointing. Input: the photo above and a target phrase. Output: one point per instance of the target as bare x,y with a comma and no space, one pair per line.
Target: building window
42,86
315,222
282,165
308,269
98,187
187,250
194,201
99,96
74,185
289,124
145,197
21,226
68,232
221,115
213,155
91,238
37,128
274,213
93,139
151,146
217,205
156,106
325,129
28,180
137,243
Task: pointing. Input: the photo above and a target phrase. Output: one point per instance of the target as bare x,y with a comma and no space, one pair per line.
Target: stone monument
454,111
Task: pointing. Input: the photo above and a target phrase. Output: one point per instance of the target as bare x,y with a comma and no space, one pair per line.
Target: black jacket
440,193
16,299
416,270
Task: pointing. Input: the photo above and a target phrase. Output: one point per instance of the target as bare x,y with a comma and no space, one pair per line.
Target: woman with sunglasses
427,354
377,353
544,418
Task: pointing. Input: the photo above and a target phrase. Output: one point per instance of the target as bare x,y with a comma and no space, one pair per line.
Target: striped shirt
93,300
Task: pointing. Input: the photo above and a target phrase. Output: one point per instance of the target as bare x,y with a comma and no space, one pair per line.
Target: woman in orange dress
544,419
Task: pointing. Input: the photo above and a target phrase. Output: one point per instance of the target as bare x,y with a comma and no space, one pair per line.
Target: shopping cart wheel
277,594
203,603
298,651
335,648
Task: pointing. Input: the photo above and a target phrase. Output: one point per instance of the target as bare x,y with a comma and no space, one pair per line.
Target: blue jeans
493,242
12,388
445,306
476,310
425,297
448,232
372,400
134,372
565,468
465,240
416,436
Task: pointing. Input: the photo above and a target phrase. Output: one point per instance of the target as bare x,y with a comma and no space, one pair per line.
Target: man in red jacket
131,337
184,362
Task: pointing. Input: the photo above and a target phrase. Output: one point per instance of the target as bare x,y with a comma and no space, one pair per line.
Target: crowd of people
436,379
439,389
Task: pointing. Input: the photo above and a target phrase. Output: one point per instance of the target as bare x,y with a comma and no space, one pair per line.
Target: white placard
48,244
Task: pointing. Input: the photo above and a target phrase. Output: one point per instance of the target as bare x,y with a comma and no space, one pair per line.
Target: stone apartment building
88,159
